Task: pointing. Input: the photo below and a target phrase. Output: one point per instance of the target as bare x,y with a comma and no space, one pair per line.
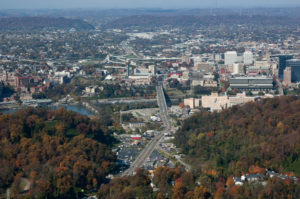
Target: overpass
161,101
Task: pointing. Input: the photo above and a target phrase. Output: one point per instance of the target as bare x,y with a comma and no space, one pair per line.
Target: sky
105,4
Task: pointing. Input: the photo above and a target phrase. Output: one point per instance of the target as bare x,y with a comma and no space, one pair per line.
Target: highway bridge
161,101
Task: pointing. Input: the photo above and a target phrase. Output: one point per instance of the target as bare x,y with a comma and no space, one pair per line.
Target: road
163,107
186,166
167,121
154,143
121,100
142,157
128,50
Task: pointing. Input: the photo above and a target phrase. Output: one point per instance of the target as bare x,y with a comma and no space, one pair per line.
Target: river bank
76,107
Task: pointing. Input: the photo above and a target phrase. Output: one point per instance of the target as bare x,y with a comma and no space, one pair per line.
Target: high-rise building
282,62
230,57
248,57
295,69
287,76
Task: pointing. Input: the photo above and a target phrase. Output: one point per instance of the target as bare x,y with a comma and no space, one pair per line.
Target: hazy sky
57,4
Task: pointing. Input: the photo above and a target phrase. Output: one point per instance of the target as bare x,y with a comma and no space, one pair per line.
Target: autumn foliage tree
257,135
58,152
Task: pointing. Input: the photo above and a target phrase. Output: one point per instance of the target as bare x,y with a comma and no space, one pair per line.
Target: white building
62,73
235,68
216,103
238,68
230,57
152,69
248,57
91,89
192,102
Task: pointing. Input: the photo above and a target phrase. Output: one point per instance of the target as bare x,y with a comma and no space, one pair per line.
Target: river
76,108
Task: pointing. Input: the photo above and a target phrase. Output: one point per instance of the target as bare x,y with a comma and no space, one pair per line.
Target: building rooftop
253,77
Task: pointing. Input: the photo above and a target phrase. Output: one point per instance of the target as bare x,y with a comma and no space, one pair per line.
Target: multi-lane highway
146,152
142,157
163,107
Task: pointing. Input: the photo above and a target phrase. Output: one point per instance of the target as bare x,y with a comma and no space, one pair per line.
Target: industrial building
251,83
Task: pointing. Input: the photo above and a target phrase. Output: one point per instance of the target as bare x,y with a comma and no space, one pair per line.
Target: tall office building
230,57
295,69
282,62
248,57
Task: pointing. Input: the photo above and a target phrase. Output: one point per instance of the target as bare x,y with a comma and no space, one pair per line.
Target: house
273,174
255,177
155,119
136,125
91,89
238,181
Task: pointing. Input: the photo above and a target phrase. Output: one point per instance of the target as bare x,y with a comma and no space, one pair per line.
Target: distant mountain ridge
42,23
85,13
191,20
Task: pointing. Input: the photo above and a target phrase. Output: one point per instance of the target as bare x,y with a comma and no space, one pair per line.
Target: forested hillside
42,23
177,184
58,153
198,21
61,154
264,134
242,139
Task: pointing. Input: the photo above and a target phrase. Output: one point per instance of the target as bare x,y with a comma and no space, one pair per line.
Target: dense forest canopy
265,134
59,152
178,184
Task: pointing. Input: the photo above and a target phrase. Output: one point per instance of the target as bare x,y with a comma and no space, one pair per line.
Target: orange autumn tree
257,169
